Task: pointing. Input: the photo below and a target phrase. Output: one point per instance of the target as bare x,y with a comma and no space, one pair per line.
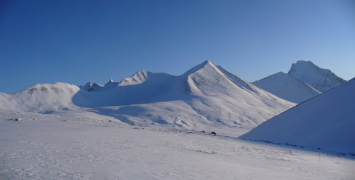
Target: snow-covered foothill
326,121
44,98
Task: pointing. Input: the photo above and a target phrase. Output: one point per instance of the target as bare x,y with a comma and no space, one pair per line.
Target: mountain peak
304,62
203,65
110,82
321,79
301,64
207,62
280,73
137,78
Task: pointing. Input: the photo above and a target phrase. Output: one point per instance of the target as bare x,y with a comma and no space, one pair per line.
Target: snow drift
326,121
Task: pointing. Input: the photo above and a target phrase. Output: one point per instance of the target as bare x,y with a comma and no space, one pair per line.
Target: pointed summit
205,65
320,79
210,79
109,82
137,78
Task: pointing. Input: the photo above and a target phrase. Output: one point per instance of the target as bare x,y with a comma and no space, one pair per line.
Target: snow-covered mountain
326,121
41,98
303,81
287,87
207,96
320,79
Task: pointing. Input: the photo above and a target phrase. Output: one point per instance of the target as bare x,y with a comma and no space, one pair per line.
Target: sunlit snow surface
41,146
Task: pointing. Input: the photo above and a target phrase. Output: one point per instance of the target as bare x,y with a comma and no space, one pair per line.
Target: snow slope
287,87
207,96
326,121
42,146
320,79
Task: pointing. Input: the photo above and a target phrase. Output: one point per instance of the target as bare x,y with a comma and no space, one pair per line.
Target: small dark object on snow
203,132
213,133
17,119
109,120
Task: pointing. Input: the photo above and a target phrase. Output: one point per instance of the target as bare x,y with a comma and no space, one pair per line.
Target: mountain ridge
204,97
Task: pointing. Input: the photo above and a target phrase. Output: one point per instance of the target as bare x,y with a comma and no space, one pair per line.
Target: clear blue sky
82,40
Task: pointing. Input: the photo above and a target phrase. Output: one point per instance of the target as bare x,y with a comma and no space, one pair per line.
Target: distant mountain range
207,96
303,81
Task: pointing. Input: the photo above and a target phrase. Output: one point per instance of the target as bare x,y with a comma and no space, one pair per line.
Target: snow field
51,148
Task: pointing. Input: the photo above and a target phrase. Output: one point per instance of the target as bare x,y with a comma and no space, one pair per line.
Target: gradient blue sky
79,41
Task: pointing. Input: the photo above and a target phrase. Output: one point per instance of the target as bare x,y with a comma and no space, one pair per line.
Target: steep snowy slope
245,84
205,97
320,79
287,87
326,121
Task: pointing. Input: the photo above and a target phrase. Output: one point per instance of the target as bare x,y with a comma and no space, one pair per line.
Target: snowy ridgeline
57,147
205,97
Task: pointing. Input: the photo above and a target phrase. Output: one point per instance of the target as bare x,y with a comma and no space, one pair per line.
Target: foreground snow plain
41,146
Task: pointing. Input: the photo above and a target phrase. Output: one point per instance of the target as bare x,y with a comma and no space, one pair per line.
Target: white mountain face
326,121
287,87
320,79
304,81
205,97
